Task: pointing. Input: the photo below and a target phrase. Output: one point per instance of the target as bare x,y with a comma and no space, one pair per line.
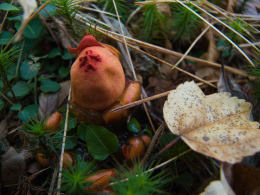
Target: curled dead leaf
215,125
219,187
49,103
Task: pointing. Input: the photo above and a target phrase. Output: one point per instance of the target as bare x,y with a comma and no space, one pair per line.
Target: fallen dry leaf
219,187
215,125
13,165
49,103
245,179
28,7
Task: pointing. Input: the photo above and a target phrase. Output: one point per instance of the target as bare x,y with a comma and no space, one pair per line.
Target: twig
126,47
3,22
25,23
156,167
31,177
153,142
138,102
191,46
167,147
217,30
6,98
131,64
53,180
95,10
167,63
167,51
19,60
133,13
224,24
168,161
63,145
248,45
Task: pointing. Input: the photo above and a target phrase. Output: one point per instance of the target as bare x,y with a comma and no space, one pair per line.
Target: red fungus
97,77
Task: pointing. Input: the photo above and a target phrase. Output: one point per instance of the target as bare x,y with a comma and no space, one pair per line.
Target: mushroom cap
97,78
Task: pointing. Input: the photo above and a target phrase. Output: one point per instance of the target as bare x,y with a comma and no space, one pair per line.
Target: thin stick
248,45
138,102
153,142
204,20
156,167
63,145
6,98
167,147
191,46
224,24
167,63
25,23
217,30
131,64
5,16
127,50
168,161
53,179
133,13
95,10
167,51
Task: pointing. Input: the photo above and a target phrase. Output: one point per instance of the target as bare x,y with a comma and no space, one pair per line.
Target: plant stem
3,22
7,85
19,60
168,146
25,23
6,98
35,90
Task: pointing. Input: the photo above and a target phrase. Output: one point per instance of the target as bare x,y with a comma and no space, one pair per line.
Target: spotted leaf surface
215,125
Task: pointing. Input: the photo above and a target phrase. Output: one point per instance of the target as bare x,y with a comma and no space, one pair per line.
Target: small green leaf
11,72
15,18
2,104
71,142
54,53
32,30
28,112
1,84
133,125
50,67
63,72
148,131
20,89
48,11
5,37
49,86
67,55
100,141
8,7
29,70
16,107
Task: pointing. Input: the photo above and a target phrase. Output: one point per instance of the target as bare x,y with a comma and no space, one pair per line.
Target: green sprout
74,178
136,181
185,23
35,127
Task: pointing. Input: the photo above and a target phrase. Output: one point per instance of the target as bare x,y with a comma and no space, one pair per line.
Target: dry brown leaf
13,165
219,187
49,103
245,179
215,125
